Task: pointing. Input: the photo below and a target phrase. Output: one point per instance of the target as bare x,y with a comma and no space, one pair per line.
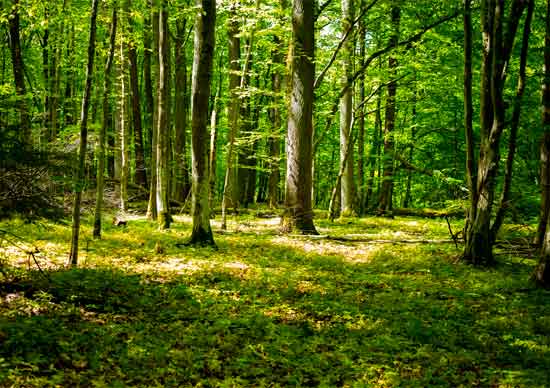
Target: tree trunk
496,53
299,213
103,129
361,112
386,197
18,76
152,204
471,176
542,271
163,124
148,83
181,186
79,183
212,161
274,140
374,152
230,189
141,174
346,112
514,126
205,23
123,131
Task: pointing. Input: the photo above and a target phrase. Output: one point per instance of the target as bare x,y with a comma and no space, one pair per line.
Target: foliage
270,310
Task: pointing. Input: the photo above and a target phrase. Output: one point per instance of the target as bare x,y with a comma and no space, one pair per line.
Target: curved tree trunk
298,215
205,23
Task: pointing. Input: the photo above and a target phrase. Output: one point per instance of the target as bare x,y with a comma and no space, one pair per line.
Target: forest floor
381,303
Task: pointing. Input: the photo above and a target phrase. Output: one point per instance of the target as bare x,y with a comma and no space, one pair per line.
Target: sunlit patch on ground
356,306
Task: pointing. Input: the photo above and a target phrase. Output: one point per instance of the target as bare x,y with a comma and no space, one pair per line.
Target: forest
273,193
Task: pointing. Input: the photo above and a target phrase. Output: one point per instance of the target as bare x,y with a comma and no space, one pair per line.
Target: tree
542,271
298,215
163,124
205,23
79,181
100,176
497,49
346,110
141,174
230,191
386,194
18,76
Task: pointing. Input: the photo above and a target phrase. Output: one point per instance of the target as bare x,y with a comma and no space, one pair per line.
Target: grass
269,310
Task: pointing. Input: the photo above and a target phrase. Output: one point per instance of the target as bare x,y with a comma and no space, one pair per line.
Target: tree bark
468,114
79,183
386,197
152,204
298,215
497,48
124,137
100,177
274,140
514,125
18,76
346,112
230,190
212,161
205,23
361,124
181,186
140,171
163,124
542,271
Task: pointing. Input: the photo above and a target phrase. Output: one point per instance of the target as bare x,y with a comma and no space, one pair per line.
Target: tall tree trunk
212,161
163,124
103,129
230,189
124,137
542,271
79,183
386,197
148,82
471,176
205,23
514,125
374,152
274,140
181,186
361,112
346,111
18,76
299,213
152,204
141,173
496,53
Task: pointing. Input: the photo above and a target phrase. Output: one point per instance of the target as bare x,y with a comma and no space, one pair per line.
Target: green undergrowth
269,310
